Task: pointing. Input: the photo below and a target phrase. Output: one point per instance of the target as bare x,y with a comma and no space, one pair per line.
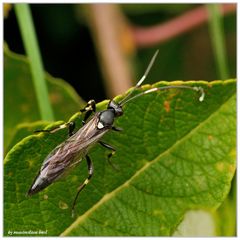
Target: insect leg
117,129
110,154
71,128
69,125
80,188
91,107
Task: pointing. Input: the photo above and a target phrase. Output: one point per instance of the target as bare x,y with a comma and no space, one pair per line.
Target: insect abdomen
38,185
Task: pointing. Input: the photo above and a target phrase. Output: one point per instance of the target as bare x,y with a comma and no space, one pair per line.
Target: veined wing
67,154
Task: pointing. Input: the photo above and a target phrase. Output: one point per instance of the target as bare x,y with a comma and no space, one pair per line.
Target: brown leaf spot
166,106
210,137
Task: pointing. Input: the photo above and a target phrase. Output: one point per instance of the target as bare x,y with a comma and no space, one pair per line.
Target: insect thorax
106,119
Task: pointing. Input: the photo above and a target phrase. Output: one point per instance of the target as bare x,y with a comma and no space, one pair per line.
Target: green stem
217,36
31,47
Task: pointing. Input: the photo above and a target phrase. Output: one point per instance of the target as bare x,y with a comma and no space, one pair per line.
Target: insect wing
67,154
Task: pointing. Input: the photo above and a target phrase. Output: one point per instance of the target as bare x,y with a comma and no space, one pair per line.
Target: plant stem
217,36
163,32
108,19
31,47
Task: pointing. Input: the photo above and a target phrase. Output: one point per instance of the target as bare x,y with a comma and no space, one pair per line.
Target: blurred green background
68,51
74,42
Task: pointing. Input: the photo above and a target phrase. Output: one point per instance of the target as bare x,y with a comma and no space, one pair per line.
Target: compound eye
116,107
119,111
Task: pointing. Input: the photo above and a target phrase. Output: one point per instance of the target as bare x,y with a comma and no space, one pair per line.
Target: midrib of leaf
108,196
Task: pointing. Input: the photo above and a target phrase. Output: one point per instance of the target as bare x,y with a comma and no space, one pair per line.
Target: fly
71,152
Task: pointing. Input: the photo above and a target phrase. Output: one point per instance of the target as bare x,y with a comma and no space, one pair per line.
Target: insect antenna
195,88
142,78
128,98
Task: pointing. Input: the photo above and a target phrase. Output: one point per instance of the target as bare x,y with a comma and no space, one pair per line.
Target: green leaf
20,104
24,129
175,154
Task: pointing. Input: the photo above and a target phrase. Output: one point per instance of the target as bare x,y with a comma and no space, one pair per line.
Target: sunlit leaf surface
174,154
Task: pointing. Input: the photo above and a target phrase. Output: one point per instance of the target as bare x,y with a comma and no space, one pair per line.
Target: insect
75,148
